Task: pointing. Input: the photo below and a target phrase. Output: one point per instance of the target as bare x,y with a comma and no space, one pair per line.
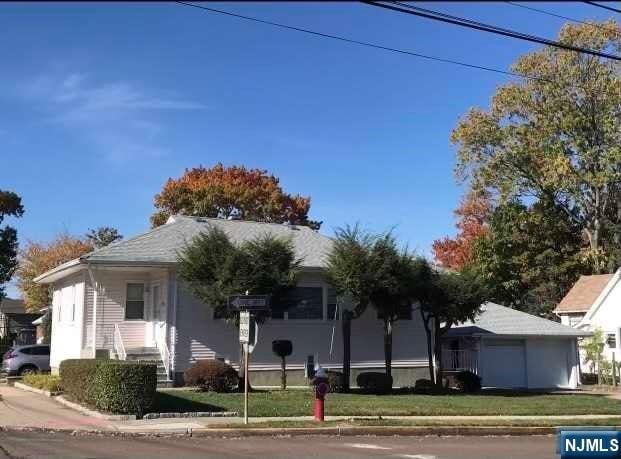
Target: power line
364,43
606,7
549,13
437,16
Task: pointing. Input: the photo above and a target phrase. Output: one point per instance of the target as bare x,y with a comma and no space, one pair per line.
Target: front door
156,325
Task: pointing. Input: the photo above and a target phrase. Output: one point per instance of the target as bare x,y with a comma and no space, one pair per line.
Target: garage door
505,365
549,362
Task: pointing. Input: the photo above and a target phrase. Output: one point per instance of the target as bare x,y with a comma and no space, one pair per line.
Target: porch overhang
79,264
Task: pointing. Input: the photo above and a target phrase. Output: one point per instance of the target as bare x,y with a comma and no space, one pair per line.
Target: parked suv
22,360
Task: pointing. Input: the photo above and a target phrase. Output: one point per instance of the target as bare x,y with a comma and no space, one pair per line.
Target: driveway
21,408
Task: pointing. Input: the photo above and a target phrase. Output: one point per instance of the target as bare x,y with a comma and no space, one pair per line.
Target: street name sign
253,303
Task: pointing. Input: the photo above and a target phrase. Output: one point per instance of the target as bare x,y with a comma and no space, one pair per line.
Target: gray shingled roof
9,305
500,320
161,244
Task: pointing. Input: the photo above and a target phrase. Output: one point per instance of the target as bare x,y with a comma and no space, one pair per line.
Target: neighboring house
16,323
513,349
126,301
593,303
40,325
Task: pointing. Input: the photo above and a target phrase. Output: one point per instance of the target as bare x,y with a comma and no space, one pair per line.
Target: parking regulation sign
244,327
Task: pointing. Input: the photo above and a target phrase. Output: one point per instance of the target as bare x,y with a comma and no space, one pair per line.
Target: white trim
69,264
371,364
173,332
600,299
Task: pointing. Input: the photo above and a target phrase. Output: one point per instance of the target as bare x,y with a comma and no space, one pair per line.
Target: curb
28,388
93,413
193,414
303,431
410,431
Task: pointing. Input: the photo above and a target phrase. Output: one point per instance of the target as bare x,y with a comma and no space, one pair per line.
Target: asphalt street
39,445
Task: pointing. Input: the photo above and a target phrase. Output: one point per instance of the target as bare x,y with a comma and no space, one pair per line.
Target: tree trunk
388,346
432,375
283,374
346,328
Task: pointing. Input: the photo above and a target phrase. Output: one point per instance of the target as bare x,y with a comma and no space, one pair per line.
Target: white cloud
119,118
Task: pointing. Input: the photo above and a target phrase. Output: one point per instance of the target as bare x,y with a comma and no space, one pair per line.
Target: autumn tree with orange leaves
37,258
473,214
223,192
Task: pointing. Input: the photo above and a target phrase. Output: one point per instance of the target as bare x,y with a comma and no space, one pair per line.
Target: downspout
95,300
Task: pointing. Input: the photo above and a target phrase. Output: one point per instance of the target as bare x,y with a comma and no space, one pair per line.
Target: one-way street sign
252,303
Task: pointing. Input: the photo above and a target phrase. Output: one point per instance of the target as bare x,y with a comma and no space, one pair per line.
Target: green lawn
300,403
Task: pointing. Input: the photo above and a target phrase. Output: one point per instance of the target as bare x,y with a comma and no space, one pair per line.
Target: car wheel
27,370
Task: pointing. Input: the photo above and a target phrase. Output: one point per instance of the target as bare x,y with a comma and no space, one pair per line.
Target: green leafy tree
395,281
593,348
10,205
371,271
556,136
449,298
350,271
530,256
214,268
103,236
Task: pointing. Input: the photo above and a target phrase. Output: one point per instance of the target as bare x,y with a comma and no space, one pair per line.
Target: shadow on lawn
168,402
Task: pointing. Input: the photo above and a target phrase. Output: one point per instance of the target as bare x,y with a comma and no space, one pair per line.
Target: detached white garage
510,349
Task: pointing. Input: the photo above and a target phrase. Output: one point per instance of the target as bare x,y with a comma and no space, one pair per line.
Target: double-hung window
134,301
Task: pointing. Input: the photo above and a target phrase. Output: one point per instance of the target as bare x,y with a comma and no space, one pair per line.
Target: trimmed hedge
115,386
373,382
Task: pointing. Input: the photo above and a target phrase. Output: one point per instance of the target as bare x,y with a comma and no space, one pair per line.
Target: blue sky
101,103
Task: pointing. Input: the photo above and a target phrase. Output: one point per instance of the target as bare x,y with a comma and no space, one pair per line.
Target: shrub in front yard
467,382
77,377
373,382
114,386
47,382
336,381
212,375
125,387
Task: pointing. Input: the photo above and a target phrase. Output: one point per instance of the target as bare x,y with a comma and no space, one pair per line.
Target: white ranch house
126,301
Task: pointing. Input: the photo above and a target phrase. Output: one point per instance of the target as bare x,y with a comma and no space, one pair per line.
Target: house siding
67,319
111,308
608,319
200,336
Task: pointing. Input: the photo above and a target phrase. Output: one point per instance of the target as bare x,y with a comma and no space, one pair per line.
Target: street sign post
246,305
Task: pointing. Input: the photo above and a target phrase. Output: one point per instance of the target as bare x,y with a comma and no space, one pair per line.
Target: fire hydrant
320,381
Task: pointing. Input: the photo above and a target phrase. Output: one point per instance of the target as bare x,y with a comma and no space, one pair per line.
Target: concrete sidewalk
21,409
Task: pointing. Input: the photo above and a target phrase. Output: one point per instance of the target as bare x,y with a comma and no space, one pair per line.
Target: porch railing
164,352
117,341
460,360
